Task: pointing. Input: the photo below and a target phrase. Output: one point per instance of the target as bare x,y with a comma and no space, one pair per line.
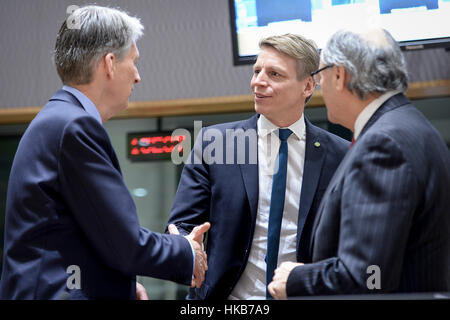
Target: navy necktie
276,207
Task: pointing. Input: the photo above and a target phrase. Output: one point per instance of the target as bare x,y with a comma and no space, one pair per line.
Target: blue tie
276,207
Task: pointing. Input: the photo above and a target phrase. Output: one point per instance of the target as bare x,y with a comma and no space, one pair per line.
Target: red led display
153,145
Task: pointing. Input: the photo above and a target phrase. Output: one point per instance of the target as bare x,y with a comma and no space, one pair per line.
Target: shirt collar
85,102
369,110
265,127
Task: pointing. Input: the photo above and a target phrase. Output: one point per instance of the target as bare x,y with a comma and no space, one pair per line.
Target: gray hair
372,67
99,30
303,50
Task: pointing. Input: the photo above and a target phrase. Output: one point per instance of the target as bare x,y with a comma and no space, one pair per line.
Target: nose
137,77
259,79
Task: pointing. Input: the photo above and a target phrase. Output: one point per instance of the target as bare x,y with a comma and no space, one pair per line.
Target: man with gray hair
71,228
261,211
384,223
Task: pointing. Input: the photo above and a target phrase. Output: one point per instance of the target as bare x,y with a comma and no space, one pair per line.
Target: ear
339,77
109,61
309,87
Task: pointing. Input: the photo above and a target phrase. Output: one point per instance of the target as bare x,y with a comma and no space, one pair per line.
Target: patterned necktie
276,207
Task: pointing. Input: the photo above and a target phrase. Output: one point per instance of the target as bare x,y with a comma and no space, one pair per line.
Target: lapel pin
317,144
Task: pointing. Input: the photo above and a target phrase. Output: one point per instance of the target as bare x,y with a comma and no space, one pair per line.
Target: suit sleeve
377,202
191,205
104,209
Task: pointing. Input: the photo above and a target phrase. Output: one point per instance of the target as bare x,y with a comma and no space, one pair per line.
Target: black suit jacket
388,205
227,196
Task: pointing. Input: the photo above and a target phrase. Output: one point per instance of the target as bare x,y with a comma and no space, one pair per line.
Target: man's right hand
196,240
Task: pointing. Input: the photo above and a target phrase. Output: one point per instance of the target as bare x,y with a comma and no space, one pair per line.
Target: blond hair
303,50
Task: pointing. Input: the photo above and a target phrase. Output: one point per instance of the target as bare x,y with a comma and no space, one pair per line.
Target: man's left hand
277,288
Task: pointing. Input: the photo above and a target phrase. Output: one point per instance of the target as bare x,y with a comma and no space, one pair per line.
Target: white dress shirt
252,284
369,110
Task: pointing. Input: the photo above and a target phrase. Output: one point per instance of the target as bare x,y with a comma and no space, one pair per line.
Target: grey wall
186,51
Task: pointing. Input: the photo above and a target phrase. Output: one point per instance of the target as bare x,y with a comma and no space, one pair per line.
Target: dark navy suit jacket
227,196
67,204
388,206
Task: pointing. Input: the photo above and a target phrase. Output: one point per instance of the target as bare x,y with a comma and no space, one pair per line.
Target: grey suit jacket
388,205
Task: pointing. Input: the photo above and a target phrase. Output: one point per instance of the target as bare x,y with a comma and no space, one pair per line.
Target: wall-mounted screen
415,24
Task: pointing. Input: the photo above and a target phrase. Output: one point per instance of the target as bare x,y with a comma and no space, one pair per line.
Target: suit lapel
250,171
314,158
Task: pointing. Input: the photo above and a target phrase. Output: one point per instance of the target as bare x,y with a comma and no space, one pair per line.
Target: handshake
195,238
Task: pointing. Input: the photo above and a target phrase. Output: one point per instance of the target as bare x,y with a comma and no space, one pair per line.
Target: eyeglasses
316,74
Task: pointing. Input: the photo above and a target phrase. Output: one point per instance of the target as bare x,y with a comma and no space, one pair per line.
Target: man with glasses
261,212
384,222
316,74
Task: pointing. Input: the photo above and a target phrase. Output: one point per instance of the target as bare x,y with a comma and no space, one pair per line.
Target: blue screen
406,20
